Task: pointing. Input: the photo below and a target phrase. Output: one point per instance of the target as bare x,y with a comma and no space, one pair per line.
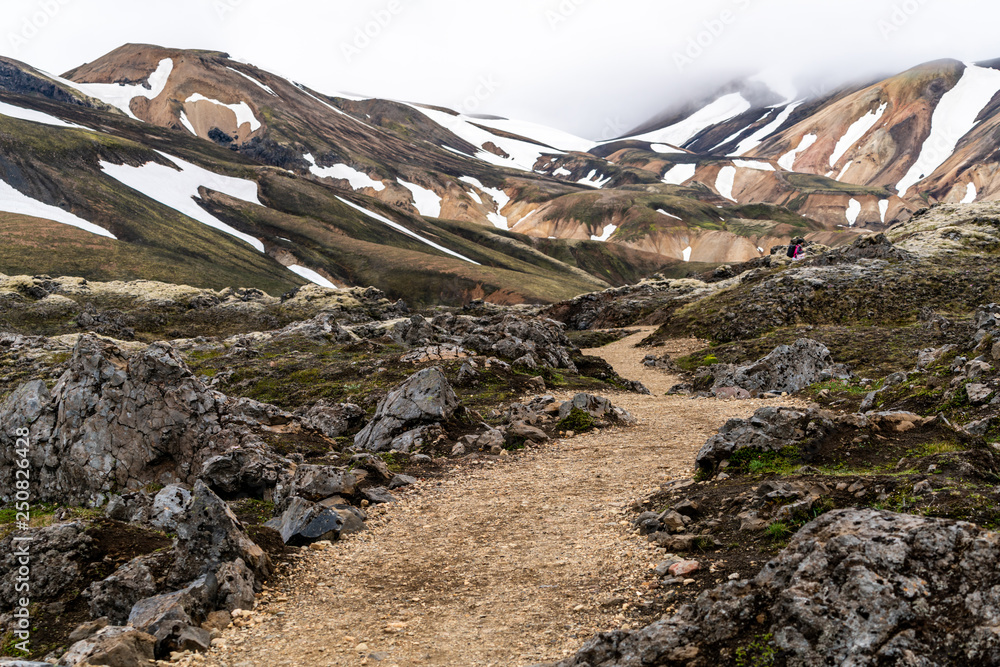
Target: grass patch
756,462
760,652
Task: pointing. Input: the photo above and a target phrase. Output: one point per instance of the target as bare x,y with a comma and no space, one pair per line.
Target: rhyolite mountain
190,166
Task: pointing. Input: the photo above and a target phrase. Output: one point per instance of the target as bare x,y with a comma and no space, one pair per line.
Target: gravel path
502,563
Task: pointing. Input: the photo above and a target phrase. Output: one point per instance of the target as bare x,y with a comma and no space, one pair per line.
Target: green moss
756,462
577,421
760,652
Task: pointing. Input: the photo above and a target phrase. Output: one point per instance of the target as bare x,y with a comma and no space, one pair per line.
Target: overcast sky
594,67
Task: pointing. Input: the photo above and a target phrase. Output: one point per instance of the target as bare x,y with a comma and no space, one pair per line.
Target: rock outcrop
423,399
788,368
859,587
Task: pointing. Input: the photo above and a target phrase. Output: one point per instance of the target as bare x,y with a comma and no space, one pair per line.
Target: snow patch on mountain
853,211
311,276
669,215
719,111
426,201
21,113
15,201
186,122
725,181
178,189
754,164
250,78
844,170
954,117
544,135
244,114
605,235
357,179
883,209
664,148
120,95
687,254
500,198
679,173
400,228
594,180
855,132
523,155
970,194
787,161
757,138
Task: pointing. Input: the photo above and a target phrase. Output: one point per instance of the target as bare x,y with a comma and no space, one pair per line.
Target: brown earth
505,561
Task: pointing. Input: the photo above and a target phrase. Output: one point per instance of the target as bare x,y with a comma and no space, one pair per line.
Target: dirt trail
500,564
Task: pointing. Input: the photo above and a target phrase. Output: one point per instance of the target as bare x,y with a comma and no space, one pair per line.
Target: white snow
546,136
244,114
754,164
719,111
787,161
15,201
679,173
883,209
562,171
121,95
608,231
427,201
687,254
186,122
970,194
523,155
669,215
594,180
724,183
855,132
311,276
954,117
21,113
400,228
664,148
844,170
357,179
853,211
758,137
179,189
500,198
250,78
475,196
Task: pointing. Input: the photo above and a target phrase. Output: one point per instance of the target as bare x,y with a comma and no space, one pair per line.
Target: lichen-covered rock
788,368
597,407
331,419
854,587
115,645
423,398
56,553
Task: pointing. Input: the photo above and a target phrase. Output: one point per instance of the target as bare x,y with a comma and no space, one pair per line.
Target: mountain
190,166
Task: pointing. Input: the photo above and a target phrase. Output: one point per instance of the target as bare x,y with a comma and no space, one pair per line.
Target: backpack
791,250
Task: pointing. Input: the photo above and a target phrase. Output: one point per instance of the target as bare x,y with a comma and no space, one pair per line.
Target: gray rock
56,551
378,494
170,502
87,629
849,589
315,483
305,522
399,481
113,646
236,586
423,398
114,596
332,419
788,368
930,355
525,432
352,523
978,393
210,534
416,438
597,407
980,427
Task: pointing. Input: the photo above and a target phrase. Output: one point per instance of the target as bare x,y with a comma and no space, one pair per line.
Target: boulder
771,429
236,586
113,646
313,482
208,535
597,407
115,595
788,368
57,555
170,502
852,587
425,397
305,522
378,494
332,419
